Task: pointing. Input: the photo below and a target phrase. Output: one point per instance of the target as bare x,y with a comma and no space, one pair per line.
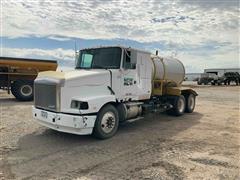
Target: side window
86,60
127,63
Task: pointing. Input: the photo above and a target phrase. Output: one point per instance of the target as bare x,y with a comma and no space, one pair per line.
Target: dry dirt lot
201,145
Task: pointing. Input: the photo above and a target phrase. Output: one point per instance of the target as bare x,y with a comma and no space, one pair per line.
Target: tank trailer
109,86
17,75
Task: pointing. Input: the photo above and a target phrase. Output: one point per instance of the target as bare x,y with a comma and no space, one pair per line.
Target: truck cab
109,85
126,69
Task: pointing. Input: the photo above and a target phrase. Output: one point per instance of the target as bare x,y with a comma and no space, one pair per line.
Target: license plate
44,114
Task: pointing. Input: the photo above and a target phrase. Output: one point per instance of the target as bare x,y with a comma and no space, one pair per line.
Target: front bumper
73,124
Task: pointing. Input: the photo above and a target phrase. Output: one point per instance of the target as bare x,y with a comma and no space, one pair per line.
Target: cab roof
118,46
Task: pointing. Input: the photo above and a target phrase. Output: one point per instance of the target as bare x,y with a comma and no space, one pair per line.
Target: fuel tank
166,68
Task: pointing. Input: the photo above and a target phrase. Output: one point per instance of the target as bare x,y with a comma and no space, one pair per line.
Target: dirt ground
201,145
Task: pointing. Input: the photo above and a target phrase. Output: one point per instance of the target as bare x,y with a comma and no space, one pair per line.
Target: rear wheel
22,90
179,104
190,103
107,122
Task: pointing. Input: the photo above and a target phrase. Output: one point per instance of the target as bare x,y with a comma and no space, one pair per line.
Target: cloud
59,38
65,57
172,19
212,4
205,33
184,22
195,60
219,59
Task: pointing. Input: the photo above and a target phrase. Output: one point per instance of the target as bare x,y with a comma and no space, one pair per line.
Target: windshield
100,58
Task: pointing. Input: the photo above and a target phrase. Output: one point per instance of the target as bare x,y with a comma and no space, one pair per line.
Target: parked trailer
207,78
231,77
110,85
17,75
213,79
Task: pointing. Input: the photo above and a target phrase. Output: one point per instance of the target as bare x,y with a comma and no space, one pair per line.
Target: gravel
201,145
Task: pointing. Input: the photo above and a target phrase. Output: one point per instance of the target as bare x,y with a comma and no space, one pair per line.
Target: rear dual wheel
190,103
179,105
22,90
182,104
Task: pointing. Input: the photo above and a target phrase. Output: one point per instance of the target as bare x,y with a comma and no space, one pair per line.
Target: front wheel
107,122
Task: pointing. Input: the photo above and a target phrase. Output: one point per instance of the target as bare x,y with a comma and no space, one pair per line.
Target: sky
201,33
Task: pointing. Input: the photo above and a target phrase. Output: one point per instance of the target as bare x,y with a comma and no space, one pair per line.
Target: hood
78,77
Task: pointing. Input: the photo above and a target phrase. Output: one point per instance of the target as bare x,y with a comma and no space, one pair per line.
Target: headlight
79,105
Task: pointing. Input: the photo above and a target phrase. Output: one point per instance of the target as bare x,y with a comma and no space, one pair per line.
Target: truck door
129,76
144,75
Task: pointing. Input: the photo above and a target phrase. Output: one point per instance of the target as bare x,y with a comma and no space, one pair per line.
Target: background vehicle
231,76
207,78
110,85
18,74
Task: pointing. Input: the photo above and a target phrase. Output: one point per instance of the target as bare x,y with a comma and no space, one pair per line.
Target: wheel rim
108,122
26,90
181,105
191,102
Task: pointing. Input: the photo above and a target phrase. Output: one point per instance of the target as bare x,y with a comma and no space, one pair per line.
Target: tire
190,103
179,105
22,90
107,116
13,89
236,81
121,113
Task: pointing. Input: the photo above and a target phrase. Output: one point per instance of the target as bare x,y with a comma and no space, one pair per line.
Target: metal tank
170,69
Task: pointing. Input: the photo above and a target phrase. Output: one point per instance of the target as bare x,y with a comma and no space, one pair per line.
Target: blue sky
201,33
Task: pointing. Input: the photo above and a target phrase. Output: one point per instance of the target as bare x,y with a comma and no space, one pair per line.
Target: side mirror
76,58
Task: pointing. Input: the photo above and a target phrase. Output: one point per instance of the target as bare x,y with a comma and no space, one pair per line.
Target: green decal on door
128,81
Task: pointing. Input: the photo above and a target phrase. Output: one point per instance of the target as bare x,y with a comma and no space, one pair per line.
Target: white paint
81,125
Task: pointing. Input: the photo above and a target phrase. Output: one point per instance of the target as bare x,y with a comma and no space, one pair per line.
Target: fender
185,90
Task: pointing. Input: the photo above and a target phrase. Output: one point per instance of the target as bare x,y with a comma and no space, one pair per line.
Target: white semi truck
110,85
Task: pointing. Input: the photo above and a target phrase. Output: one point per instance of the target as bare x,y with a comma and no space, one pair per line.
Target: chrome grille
46,96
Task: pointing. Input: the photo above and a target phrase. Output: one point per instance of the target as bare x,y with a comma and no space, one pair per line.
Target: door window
86,60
